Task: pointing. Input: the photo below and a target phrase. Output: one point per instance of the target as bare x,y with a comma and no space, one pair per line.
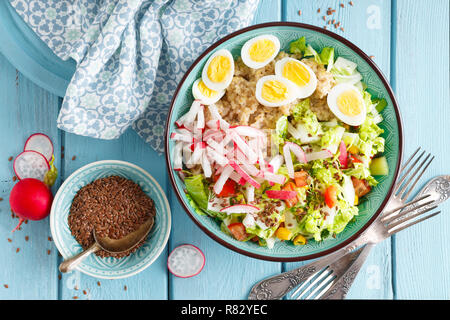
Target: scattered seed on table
1,199
318,10
341,5
49,251
75,297
10,158
62,148
26,238
334,21
324,18
74,157
329,21
351,3
342,29
6,286
49,238
14,178
59,277
84,292
25,221
17,250
299,12
98,283
9,240
324,27
125,288
372,57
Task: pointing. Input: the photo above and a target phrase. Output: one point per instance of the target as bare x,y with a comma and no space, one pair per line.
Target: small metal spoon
109,245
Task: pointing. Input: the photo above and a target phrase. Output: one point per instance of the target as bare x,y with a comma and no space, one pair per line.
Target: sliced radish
240,208
274,178
226,172
343,156
41,143
250,193
276,162
177,136
178,156
201,118
244,174
298,151
31,164
206,165
281,194
216,156
318,155
186,261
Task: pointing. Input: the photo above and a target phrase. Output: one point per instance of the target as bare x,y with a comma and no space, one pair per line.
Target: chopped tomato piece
301,178
290,186
237,229
355,159
229,188
361,187
330,196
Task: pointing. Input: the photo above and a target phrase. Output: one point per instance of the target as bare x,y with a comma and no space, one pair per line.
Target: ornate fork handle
276,287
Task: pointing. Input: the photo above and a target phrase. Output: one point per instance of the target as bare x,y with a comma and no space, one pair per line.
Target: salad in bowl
279,145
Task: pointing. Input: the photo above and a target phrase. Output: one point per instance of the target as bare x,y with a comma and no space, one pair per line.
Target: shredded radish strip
241,208
218,186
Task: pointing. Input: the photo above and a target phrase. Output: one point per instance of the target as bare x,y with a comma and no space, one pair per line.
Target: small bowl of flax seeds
113,198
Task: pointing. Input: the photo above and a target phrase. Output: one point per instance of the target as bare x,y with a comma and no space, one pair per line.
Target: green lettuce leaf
298,46
302,113
197,190
360,171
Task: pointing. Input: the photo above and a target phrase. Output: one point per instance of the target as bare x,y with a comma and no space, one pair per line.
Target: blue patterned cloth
130,56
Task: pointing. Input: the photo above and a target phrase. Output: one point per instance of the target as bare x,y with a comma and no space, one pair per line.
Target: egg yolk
218,69
261,50
297,73
274,91
349,103
205,91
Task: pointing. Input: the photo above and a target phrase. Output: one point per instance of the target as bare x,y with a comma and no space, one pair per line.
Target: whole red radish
30,199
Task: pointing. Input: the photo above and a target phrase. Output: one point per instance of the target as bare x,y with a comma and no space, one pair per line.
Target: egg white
291,87
248,61
332,97
302,91
218,86
205,100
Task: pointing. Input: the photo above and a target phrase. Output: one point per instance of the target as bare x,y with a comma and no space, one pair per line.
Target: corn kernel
282,218
283,233
356,200
299,240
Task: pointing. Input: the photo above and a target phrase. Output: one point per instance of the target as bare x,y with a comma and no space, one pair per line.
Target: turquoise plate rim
398,119
159,190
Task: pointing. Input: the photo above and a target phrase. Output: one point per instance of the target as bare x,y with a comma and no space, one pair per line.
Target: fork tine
405,175
404,186
325,283
408,161
387,213
390,226
320,275
392,232
417,179
394,216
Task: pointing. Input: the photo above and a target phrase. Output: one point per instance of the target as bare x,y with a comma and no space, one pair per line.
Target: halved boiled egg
207,96
259,51
218,70
275,91
347,104
299,73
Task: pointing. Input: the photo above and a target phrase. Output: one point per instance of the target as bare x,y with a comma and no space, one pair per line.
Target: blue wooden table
408,40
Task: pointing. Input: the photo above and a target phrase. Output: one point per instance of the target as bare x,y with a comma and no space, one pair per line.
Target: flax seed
318,10
342,29
14,178
74,157
125,288
6,286
299,12
10,158
49,252
75,297
27,238
341,5
98,283
17,250
351,3
372,57
9,240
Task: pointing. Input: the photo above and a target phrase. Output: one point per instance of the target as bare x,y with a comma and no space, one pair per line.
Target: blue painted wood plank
422,87
150,283
27,270
366,24
226,275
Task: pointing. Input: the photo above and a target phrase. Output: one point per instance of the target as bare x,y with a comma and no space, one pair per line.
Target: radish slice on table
240,208
281,194
31,164
186,261
41,143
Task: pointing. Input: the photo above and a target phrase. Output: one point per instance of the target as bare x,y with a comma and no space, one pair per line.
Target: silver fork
338,278
278,286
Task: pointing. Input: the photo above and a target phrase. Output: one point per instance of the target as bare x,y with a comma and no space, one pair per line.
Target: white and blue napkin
130,56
